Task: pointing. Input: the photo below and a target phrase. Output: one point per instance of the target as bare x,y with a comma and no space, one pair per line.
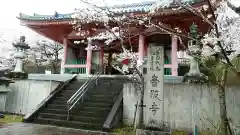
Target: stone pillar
153,98
19,64
19,55
89,57
141,48
64,59
174,57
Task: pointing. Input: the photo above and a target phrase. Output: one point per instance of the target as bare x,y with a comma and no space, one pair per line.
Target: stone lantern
194,50
20,54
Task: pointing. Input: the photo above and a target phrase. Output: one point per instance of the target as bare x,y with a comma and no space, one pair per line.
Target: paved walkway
34,129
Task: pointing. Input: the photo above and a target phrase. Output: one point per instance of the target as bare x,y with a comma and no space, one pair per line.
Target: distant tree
47,53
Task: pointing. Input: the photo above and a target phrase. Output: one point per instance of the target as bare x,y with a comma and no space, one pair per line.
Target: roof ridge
143,3
144,6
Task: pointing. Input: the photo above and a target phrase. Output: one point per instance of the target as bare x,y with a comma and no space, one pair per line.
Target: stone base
17,75
150,132
195,78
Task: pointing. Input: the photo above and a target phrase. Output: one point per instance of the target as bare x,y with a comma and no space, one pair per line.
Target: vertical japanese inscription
154,108
158,59
152,64
154,94
154,81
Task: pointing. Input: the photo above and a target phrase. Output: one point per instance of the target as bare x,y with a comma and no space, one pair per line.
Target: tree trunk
54,68
55,63
222,101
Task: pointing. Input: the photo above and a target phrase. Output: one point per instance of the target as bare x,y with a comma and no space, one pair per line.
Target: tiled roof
135,7
128,8
38,17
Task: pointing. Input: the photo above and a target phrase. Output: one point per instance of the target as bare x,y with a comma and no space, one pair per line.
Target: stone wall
186,105
25,95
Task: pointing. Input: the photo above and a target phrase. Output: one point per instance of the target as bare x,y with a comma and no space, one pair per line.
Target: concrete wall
130,98
187,105
3,97
25,95
49,77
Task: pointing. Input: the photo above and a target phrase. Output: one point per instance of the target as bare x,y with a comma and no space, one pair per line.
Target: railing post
68,113
96,82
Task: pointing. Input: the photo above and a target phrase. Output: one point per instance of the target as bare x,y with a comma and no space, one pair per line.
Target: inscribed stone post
154,87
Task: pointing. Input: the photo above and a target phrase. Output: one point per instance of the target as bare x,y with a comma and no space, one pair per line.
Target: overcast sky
9,9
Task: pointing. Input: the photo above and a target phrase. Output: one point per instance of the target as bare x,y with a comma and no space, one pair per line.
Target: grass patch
176,132
11,119
124,131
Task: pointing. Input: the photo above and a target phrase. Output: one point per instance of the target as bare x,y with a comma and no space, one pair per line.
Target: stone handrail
108,122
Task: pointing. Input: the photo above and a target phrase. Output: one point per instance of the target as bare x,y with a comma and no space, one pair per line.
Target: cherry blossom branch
234,8
195,12
132,19
218,34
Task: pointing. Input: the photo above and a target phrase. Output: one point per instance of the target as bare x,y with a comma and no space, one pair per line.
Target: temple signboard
154,86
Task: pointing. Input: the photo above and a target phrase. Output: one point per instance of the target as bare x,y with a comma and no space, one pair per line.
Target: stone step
78,118
57,106
59,102
77,110
65,123
73,86
52,116
87,113
86,103
55,99
93,109
93,96
77,82
98,104
54,111
103,91
100,99
66,93
66,97
62,97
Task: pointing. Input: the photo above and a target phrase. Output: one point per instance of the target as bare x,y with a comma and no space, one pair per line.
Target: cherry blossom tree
219,42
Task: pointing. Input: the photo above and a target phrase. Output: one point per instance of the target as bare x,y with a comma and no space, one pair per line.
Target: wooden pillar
109,62
64,59
174,58
141,47
89,57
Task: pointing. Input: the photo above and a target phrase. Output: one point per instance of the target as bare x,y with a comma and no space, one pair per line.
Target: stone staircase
89,114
